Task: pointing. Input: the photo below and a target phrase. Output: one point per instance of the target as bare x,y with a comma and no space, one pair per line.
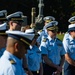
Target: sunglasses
72,30
53,31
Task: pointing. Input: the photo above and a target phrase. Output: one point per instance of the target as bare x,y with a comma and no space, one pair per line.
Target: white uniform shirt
10,65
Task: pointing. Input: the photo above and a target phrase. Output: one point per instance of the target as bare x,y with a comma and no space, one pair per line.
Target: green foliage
62,10
73,3
73,14
60,36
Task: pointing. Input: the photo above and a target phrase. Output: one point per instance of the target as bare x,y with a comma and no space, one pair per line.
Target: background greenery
60,36
62,10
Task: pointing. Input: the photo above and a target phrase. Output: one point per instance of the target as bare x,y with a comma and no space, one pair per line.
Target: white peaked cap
21,34
3,26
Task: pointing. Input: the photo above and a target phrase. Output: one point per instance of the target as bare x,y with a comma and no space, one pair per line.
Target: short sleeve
43,47
65,45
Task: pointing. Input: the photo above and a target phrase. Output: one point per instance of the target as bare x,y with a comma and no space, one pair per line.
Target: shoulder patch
44,40
40,30
12,61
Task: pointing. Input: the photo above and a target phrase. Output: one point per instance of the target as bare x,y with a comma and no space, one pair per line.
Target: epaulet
12,61
41,30
45,39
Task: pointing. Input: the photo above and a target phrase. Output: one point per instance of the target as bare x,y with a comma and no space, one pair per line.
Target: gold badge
12,61
40,30
44,40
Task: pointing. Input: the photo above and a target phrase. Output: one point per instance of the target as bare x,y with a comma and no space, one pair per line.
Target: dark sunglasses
53,31
72,30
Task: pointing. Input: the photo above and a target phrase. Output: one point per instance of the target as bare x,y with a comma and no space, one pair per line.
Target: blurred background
62,10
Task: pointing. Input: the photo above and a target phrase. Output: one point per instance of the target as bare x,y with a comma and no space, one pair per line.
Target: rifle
33,14
39,19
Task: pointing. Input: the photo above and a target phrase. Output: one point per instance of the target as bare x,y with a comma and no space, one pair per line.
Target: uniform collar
44,28
31,47
71,39
50,39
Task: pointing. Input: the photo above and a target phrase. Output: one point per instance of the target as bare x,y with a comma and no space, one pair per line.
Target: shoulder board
41,30
45,39
12,61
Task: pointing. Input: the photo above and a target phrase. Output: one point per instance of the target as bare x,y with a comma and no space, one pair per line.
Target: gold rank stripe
3,34
24,41
72,22
16,19
48,20
12,61
2,18
53,28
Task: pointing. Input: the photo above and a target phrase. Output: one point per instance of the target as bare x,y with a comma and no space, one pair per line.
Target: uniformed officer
17,44
48,19
52,51
42,32
71,21
15,20
34,56
3,28
3,38
69,46
3,14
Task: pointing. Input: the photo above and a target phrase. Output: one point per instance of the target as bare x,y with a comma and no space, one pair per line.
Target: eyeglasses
53,31
72,30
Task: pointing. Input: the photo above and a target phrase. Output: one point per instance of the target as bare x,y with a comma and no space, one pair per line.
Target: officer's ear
16,46
11,23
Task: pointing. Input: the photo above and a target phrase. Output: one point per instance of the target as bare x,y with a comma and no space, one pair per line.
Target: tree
62,10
